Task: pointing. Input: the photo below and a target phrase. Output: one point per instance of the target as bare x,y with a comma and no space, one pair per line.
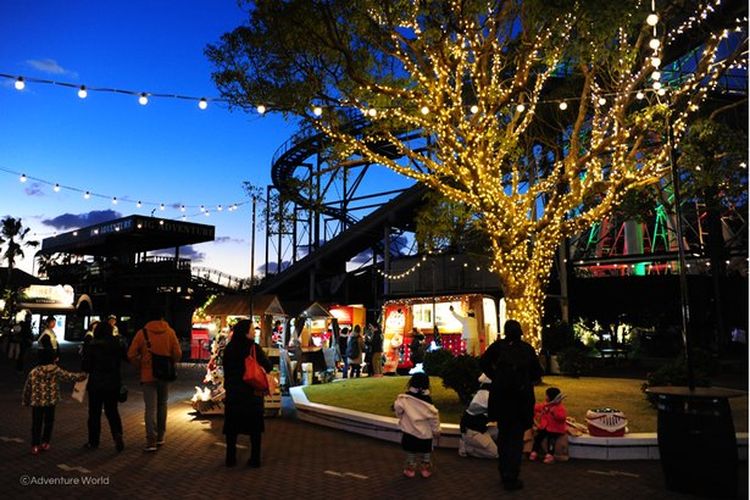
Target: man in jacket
159,338
514,369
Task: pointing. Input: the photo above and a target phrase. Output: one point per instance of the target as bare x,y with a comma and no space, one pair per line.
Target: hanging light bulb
652,19
602,101
184,217
654,43
139,204
203,209
87,195
182,208
20,84
317,111
219,208
114,200
520,108
656,75
474,109
22,178
655,62
143,99
260,109
56,189
161,207
656,85
207,213
203,103
639,95
563,105
82,92
424,110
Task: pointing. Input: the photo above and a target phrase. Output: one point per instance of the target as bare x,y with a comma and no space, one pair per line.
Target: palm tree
13,237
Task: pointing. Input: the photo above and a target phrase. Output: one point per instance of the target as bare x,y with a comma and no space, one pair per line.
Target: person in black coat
101,360
243,407
514,368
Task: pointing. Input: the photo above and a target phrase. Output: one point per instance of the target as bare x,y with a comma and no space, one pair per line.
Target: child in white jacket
419,421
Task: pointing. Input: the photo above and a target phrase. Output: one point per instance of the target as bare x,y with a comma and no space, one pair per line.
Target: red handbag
255,375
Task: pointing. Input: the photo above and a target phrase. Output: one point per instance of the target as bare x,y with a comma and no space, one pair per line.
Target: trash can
697,442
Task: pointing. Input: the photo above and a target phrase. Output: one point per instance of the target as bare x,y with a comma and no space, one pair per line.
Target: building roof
306,308
128,235
18,279
239,305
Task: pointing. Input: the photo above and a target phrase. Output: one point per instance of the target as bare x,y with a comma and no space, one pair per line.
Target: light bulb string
112,90
206,207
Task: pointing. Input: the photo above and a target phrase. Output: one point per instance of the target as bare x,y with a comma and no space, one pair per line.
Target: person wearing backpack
514,368
154,341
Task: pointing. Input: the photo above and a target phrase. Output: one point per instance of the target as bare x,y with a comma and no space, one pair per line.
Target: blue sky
166,152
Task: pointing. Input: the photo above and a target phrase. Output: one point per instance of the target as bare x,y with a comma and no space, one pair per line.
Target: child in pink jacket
550,417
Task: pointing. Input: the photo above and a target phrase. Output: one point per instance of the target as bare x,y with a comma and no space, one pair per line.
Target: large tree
13,239
538,116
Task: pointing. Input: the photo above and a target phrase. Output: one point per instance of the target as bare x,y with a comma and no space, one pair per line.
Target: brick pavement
298,460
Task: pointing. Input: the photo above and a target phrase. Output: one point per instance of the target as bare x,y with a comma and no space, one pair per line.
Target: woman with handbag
101,360
243,405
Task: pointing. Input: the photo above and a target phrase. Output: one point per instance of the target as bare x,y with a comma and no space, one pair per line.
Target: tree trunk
525,304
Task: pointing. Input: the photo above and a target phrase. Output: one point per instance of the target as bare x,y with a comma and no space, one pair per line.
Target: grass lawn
376,395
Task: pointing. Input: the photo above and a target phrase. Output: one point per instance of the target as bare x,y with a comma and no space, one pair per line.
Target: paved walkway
299,461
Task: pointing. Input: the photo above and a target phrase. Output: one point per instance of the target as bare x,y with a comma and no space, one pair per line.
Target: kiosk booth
403,317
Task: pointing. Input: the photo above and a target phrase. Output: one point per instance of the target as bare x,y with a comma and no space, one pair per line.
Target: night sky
167,152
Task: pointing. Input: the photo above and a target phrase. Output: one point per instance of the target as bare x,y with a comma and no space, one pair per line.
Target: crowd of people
492,426
101,356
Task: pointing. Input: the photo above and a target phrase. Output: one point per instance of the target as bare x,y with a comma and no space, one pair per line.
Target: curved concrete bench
635,446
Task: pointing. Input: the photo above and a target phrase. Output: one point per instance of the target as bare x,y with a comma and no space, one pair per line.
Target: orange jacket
163,342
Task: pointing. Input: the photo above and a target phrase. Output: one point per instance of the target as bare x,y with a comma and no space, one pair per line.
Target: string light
317,111
203,103
20,84
143,99
563,105
260,109
82,92
425,110
602,101
520,108
652,19
474,109
114,200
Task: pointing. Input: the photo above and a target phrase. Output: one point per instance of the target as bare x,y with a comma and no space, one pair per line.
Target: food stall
403,316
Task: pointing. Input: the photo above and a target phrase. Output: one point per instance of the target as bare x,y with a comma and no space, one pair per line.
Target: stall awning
239,305
314,310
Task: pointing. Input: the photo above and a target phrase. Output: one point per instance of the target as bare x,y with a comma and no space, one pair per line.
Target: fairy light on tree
431,70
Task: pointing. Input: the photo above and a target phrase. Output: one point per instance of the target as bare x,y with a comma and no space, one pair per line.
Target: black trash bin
697,442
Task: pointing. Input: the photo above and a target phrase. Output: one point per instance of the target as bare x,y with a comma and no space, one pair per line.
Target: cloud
72,221
34,189
50,66
186,252
228,239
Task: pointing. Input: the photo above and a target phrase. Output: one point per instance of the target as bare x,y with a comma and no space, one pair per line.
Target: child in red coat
550,417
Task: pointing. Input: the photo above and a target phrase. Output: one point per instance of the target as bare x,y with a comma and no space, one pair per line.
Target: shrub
675,373
574,361
558,337
434,362
461,373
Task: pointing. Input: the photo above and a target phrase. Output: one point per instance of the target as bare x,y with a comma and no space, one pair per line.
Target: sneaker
35,451
533,456
45,446
160,442
549,459
426,470
150,447
409,472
